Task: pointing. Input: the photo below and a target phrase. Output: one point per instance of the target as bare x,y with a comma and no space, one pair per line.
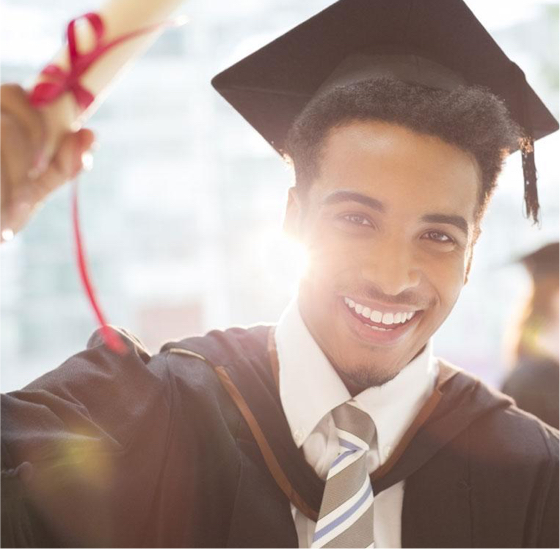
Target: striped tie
346,515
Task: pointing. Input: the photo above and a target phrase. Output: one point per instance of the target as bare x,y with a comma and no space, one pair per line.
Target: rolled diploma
120,17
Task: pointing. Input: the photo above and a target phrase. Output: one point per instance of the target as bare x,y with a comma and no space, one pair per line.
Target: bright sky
27,33
496,14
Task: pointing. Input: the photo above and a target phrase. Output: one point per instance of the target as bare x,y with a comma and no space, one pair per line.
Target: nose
391,266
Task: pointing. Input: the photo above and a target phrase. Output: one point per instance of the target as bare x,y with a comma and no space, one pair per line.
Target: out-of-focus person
28,176
533,381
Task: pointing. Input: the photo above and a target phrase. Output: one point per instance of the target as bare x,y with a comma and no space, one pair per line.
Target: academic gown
191,447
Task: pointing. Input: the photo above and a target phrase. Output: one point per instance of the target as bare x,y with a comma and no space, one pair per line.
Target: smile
378,320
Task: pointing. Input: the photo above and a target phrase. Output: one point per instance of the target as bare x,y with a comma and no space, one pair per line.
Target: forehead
405,170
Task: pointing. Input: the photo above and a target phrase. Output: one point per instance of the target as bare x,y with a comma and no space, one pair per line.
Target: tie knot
350,419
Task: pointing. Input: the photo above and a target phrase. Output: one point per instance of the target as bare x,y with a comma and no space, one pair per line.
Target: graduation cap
436,43
542,262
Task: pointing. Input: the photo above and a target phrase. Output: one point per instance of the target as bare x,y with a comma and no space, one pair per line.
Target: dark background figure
533,382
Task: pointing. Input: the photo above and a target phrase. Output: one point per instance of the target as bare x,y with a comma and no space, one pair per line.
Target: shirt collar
310,387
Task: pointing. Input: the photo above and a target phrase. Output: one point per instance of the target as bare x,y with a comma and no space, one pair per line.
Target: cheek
333,259
446,277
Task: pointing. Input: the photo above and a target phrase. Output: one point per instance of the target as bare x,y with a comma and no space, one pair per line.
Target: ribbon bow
62,81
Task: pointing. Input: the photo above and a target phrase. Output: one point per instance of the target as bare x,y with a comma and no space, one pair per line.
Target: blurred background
182,212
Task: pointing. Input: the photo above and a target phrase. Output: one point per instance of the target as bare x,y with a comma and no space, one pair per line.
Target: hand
28,177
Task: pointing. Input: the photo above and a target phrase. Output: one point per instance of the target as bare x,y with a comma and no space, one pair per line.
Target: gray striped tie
346,515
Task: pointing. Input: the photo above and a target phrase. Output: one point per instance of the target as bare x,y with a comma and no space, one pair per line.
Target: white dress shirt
310,389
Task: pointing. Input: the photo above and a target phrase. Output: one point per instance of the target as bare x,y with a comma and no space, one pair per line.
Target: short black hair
471,118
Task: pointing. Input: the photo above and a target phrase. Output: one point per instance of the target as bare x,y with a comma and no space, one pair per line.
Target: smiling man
337,427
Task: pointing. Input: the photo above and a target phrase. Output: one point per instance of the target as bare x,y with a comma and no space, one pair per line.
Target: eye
357,219
436,236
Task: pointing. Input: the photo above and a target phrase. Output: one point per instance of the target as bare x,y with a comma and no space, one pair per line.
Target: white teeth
376,316
387,318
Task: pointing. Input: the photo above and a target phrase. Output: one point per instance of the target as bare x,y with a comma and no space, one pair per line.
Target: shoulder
204,369
521,434
198,358
497,426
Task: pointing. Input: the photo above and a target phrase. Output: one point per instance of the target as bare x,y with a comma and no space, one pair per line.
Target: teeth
377,316
388,318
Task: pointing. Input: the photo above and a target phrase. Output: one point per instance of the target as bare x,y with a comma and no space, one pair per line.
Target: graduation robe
191,448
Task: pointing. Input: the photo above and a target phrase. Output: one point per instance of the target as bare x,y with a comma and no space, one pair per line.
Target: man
336,428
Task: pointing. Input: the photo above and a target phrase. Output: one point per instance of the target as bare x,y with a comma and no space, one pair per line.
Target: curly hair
470,118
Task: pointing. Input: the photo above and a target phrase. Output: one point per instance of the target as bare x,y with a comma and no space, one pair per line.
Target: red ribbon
62,81
111,338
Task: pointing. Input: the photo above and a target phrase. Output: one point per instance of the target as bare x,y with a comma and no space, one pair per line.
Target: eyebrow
456,220
348,196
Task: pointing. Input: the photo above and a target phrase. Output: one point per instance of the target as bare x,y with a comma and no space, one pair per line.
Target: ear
469,264
292,217
470,251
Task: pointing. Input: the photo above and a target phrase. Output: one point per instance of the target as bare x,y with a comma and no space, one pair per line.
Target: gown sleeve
548,532
82,447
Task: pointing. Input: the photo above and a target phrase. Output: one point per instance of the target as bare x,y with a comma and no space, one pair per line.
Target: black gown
191,448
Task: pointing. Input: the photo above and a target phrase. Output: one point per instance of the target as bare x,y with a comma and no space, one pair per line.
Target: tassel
527,147
532,206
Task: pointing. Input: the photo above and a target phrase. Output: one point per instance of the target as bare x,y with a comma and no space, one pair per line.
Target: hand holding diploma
28,175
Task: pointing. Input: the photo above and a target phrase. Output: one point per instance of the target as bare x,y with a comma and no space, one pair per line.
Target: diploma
128,28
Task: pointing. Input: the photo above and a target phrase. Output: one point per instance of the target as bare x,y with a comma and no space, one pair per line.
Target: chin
358,378
362,364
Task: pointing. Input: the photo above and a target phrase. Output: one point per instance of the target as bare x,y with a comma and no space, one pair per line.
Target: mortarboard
437,43
542,262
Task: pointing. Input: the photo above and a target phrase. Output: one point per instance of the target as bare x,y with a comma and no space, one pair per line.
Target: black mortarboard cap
438,43
542,262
